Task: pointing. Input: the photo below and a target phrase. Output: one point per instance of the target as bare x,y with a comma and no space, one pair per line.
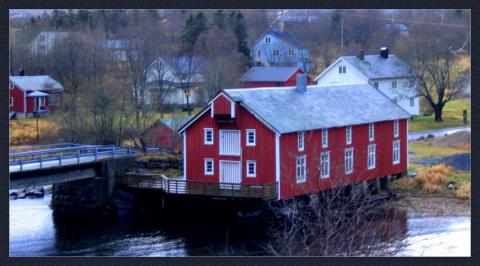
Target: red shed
163,133
257,77
301,139
29,94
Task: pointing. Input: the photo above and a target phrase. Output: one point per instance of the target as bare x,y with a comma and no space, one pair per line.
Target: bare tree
440,77
160,83
223,62
335,218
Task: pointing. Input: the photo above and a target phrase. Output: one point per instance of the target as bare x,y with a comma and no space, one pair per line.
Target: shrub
432,188
443,169
463,192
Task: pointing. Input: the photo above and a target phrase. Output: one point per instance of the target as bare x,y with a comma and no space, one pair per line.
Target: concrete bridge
83,176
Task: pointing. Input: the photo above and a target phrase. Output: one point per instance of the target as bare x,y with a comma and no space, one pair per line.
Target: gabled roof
377,67
284,36
175,123
36,83
269,74
287,110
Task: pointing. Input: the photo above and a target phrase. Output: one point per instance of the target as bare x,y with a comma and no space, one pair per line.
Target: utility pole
341,36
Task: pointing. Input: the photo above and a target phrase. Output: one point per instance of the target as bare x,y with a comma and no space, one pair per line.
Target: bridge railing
27,148
215,189
94,152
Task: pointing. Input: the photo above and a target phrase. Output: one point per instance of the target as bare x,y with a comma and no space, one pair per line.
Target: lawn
424,150
452,117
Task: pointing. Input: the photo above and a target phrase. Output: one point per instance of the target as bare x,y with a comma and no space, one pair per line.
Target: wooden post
41,160
377,185
465,116
78,155
96,153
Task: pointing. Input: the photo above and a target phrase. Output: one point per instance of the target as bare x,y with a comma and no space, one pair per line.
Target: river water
35,231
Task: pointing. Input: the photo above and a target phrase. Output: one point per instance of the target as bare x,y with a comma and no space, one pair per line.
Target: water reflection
140,230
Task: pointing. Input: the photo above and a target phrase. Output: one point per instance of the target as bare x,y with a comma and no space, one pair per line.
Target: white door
230,172
229,142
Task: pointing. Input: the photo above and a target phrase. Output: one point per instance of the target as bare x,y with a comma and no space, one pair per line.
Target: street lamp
186,91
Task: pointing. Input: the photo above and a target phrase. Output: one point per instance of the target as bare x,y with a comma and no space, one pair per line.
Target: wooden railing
214,189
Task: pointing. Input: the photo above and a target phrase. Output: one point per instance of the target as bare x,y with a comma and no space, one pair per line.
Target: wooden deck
212,189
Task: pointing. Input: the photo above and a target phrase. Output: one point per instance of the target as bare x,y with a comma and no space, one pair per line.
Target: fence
214,189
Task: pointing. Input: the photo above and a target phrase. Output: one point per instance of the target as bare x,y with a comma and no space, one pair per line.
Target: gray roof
36,83
377,67
256,74
286,110
284,36
175,123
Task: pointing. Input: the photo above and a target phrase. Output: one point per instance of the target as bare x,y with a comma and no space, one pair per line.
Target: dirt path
420,205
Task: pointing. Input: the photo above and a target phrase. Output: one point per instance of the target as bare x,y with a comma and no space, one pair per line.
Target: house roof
286,110
36,94
121,43
284,36
273,74
36,83
175,123
52,35
377,67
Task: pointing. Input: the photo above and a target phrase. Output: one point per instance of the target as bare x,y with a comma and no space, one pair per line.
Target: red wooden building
29,94
302,139
257,77
163,133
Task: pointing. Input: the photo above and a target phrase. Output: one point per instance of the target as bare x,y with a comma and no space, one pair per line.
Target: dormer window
342,69
267,40
394,84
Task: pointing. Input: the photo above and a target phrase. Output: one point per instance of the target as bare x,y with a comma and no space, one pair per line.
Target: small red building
302,139
257,77
163,133
29,94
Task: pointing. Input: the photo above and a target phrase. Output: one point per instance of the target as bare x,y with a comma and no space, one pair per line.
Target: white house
178,75
43,43
388,73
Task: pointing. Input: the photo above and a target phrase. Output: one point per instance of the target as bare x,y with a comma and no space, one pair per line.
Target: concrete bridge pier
89,195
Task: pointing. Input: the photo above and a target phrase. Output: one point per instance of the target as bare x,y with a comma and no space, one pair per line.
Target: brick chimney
360,54
302,83
384,52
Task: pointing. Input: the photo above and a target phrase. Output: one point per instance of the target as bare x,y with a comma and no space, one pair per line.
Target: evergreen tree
194,26
236,22
219,19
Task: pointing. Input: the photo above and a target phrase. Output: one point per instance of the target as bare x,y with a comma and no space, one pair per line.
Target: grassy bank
452,117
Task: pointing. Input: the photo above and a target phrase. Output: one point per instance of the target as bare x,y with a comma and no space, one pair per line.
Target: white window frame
325,164
11,101
349,160
394,84
247,164
348,134
371,162
205,141
324,137
371,132
396,128
42,101
344,69
412,101
396,150
301,144
205,168
301,172
248,143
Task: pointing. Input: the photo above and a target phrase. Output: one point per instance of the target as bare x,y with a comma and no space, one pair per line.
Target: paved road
437,132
